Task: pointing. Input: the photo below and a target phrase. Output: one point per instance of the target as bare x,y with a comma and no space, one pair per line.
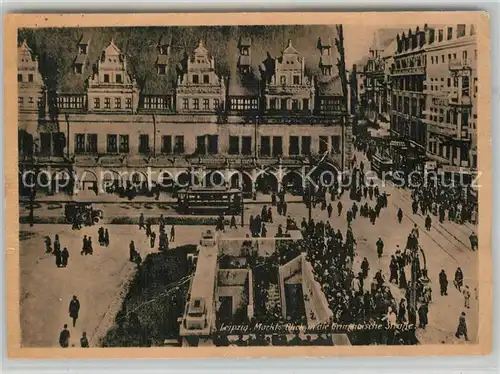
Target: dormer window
244,51
106,78
283,79
119,78
296,79
163,50
82,49
326,52
162,69
78,69
196,79
206,79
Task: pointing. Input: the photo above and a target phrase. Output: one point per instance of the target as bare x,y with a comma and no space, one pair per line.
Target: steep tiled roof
59,47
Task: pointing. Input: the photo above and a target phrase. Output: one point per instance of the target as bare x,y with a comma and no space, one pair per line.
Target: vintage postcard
248,185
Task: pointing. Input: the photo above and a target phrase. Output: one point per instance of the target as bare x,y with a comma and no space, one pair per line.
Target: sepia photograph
305,185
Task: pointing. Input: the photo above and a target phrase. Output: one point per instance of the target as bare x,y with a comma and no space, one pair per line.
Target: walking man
462,327
329,209
339,208
466,297
152,239
380,247
400,215
74,308
443,283
64,257
131,251
172,234
141,222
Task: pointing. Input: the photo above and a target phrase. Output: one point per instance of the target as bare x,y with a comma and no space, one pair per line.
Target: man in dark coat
64,257
428,223
64,337
422,315
393,267
339,208
380,247
365,266
57,253
89,246
84,245
131,251
100,234
152,239
459,279
48,245
106,237
233,222
443,283
329,209
462,327
74,308
141,221
172,234
400,215
57,244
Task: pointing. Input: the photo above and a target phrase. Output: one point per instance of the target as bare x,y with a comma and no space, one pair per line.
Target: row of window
194,104
117,103
107,78
452,56
119,143
283,104
195,79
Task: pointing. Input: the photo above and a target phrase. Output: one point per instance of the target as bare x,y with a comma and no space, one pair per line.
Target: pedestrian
106,237
329,210
48,245
466,293
84,342
57,244
148,227
365,267
354,210
64,257
400,215
141,221
428,223
423,310
393,267
402,312
285,207
57,253
473,241
90,248
269,215
152,239
64,337
74,308
273,199
380,247
339,208
233,222
172,234
263,231
84,245
459,279
462,327
402,278
131,251
100,234
443,283
138,258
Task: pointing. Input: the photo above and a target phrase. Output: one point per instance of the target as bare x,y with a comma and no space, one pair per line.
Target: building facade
263,114
451,98
408,99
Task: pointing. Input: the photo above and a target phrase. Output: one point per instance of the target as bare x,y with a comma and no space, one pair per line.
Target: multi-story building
374,82
451,91
267,112
408,99
386,96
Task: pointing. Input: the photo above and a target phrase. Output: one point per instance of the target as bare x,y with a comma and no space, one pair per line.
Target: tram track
438,224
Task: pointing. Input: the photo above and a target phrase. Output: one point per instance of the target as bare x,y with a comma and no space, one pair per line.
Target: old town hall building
267,111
